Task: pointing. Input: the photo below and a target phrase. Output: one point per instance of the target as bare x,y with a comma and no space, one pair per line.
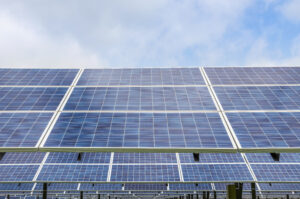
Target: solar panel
144,173
216,173
140,98
22,129
38,77
259,97
16,186
201,131
212,158
200,186
22,158
61,157
253,75
144,158
276,172
279,186
266,130
223,186
30,98
100,187
142,76
17,173
157,186
73,173
57,186
267,158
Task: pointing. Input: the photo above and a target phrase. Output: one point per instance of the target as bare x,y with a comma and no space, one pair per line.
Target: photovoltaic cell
16,186
182,187
279,186
165,130
61,157
140,98
259,97
157,186
212,158
145,158
216,172
145,173
22,129
277,172
73,173
223,186
57,186
100,187
264,130
17,173
142,76
267,158
37,77
30,98
22,158
254,75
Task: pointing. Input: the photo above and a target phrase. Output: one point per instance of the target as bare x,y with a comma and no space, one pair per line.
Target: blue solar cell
279,186
266,157
259,97
100,187
17,173
73,173
192,187
264,130
140,98
61,157
16,186
277,172
142,76
144,173
145,158
165,130
22,129
39,77
57,186
136,187
31,98
254,75
216,172
21,157
212,158
223,186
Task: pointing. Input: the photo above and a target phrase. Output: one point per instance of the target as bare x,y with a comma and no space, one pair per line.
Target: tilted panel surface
254,75
140,98
137,130
65,157
22,129
182,187
57,186
17,173
142,76
212,158
267,158
22,158
145,158
31,98
37,77
16,186
157,186
279,186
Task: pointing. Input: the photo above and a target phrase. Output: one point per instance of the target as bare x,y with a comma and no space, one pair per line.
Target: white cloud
290,10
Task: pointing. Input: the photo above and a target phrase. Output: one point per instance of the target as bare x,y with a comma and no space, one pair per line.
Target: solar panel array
181,110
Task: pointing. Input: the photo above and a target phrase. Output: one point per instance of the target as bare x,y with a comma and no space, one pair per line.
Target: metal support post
45,191
253,191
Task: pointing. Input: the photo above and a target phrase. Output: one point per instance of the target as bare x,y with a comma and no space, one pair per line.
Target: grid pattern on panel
57,186
17,173
267,158
99,187
254,75
21,157
266,129
61,157
212,158
39,77
259,97
186,130
142,76
279,186
140,98
200,186
217,172
223,186
16,186
22,129
277,172
145,158
31,98
144,173
74,173
145,186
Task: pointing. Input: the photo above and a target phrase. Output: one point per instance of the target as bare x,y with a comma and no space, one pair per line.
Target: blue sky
156,33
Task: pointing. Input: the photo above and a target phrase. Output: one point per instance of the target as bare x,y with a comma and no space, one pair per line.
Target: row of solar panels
178,115
147,167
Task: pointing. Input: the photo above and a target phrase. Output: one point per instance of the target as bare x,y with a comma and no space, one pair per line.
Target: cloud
290,10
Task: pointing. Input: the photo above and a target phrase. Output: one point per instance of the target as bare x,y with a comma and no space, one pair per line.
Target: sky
154,33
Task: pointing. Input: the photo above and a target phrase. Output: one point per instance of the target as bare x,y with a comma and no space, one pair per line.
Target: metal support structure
207,194
45,190
275,156
8,196
287,196
2,155
215,195
204,195
98,196
196,157
253,191
79,156
81,194
239,190
231,192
